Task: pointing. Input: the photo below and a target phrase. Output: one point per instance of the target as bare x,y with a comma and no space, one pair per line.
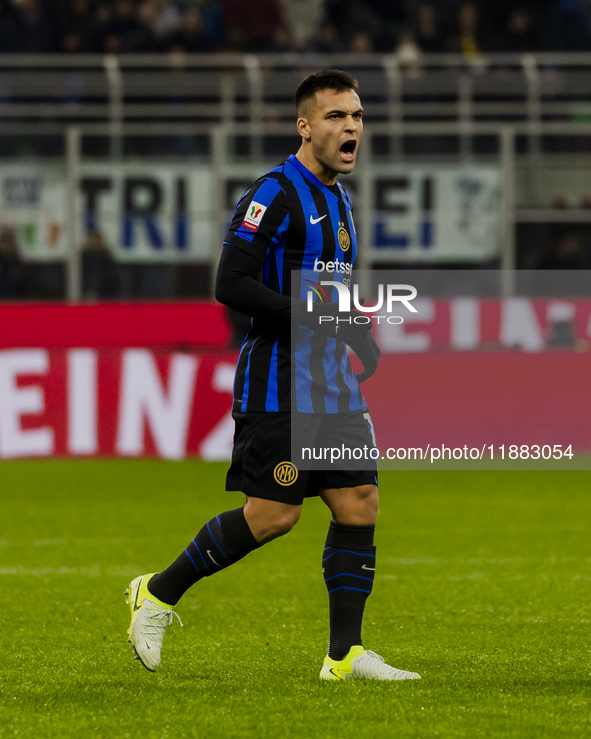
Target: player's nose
351,123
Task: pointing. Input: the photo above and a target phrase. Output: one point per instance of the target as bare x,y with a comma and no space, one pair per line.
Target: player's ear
303,128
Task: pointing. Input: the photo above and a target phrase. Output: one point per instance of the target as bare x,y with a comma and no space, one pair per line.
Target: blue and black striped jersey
291,222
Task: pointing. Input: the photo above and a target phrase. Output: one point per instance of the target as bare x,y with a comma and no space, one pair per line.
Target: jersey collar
308,175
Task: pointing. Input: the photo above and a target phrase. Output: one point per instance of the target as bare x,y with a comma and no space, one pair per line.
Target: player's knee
356,506
268,519
274,523
284,522
367,499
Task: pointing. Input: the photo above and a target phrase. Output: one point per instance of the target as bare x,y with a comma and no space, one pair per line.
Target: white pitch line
87,541
76,571
437,561
49,542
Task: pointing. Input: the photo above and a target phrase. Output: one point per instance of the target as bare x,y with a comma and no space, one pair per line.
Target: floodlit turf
482,587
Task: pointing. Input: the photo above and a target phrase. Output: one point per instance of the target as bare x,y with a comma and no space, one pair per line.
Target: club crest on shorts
285,473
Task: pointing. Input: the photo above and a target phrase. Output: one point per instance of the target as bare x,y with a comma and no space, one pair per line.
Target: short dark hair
328,79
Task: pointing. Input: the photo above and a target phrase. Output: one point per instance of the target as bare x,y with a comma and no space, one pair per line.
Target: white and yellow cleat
361,663
149,619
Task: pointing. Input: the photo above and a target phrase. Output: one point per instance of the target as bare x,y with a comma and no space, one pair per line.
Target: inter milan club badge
343,236
285,473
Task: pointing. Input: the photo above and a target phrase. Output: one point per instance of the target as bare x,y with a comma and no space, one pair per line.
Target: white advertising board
166,212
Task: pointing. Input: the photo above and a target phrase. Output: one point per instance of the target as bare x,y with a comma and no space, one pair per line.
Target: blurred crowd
361,26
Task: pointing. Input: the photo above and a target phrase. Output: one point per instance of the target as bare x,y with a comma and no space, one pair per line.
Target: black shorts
265,466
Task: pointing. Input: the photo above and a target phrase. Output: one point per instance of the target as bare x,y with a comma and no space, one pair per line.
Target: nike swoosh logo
135,605
365,567
317,220
212,559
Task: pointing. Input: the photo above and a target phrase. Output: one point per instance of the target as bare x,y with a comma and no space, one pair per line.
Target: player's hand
360,338
353,328
322,318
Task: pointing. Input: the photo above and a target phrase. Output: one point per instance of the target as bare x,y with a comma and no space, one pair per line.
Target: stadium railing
525,112
242,151
229,154
229,87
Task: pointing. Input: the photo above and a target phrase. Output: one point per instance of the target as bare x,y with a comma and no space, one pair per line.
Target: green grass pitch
482,586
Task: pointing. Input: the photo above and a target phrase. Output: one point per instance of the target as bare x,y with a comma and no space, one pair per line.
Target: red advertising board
115,379
130,402
74,388
58,325
479,399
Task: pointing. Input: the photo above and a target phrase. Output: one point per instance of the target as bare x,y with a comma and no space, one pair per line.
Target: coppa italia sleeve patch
254,216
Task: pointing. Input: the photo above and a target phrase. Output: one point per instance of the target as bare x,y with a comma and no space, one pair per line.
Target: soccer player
294,217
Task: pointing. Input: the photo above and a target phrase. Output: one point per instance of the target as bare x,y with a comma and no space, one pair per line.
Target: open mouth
347,150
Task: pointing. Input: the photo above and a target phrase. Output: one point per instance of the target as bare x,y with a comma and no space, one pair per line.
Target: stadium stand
155,79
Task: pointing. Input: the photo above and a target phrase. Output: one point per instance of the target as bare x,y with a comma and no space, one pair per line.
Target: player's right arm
260,221
238,286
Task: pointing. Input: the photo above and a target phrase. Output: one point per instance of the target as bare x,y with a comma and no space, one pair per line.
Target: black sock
221,542
349,563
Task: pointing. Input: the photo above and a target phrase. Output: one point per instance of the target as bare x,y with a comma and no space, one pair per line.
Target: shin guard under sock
349,563
221,542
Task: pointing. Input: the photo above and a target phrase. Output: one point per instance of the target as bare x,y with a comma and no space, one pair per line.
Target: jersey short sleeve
260,218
